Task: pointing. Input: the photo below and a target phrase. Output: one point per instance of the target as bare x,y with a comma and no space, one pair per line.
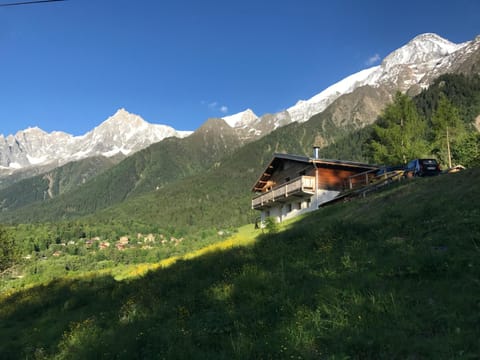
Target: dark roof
299,158
278,157
307,159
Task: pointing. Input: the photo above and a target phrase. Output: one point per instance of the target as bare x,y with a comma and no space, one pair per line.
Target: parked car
422,167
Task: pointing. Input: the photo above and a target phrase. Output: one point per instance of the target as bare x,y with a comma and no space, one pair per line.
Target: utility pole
448,151
403,141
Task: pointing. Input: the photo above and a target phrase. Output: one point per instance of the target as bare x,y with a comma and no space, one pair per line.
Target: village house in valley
293,184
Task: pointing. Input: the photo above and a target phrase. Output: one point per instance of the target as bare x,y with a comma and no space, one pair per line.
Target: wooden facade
292,184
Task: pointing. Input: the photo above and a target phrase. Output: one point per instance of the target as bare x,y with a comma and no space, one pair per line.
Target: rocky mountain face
358,99
123,133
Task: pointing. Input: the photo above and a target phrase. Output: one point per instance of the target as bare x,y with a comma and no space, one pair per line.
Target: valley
136,240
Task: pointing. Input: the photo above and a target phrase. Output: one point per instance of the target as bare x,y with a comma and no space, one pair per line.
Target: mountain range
123,133
409,68
145,158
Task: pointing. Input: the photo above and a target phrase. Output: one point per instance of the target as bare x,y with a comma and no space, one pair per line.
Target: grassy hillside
394,275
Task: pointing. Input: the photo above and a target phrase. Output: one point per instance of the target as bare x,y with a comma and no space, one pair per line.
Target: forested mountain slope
147,170
221,196
54,182
196,183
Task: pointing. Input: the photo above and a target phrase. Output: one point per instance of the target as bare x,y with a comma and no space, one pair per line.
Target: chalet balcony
302,186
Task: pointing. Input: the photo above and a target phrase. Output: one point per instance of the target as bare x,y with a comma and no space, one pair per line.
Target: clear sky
70,65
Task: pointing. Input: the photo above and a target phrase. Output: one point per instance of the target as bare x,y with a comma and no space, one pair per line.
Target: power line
29,2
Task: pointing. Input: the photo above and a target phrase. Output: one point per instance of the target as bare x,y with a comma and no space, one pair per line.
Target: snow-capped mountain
244,118
123,133
421,49
355,100
410,68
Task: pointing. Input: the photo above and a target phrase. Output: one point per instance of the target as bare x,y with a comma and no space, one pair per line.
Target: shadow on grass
398,282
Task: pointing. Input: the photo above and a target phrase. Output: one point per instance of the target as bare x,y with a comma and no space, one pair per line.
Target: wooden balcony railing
301,186
360,180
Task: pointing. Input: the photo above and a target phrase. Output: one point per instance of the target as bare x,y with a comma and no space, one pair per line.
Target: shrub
271,225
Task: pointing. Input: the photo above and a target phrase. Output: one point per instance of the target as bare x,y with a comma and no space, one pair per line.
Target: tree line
437,123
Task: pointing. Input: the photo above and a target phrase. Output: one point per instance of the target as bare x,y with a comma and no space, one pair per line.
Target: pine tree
448,132
467,152
400,134
8,250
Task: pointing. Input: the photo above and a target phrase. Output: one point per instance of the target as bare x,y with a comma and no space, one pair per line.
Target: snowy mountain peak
124,118
31,131
126,133
432,38
240,119
121,111
122,132
423,48
413,64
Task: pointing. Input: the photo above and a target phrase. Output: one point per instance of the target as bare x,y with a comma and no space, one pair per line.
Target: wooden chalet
293,184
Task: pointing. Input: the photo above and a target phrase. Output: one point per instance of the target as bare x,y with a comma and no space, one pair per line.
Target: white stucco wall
323,196
284,211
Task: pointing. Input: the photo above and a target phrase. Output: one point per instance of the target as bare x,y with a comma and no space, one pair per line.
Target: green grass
393,276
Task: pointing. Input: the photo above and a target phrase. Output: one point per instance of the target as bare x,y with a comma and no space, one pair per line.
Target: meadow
395,275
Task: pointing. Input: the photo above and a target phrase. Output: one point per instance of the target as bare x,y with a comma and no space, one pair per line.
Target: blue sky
70,65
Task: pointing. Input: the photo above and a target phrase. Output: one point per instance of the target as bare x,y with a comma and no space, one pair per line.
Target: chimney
316,152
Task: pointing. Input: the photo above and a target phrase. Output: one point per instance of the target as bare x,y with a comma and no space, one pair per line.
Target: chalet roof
279,158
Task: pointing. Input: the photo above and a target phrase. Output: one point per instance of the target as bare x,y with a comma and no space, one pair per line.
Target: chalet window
289,208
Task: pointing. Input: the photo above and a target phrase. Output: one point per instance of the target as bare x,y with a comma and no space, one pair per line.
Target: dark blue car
422,167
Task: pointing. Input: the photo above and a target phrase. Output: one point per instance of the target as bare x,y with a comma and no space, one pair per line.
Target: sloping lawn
392,276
